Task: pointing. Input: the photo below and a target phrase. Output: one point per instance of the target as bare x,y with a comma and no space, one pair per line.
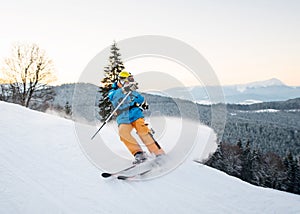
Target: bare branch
27,70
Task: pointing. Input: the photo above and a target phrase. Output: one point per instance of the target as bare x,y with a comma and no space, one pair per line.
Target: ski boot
140,157
160,159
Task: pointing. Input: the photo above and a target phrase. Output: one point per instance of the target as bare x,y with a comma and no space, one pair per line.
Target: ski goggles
123,80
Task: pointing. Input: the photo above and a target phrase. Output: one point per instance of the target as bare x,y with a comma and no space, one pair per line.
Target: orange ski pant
144,134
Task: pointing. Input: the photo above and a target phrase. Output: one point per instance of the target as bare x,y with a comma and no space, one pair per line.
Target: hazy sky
243,40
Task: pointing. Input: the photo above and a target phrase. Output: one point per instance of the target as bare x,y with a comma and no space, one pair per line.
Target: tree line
258,168
279,105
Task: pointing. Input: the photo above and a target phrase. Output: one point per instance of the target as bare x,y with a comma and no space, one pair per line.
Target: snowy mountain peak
260,84
266,83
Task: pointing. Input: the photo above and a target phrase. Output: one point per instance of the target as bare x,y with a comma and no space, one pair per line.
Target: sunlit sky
243,40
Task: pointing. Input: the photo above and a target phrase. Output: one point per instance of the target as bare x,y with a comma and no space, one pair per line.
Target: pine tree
297,179
292,173
274,170
258,172
239,143
246,157
216,160
110,76
68,109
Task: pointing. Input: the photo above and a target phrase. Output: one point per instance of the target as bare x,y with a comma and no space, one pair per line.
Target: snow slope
43,170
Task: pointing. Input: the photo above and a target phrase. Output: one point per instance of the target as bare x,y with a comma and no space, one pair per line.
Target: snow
292,110
249,102
267,111
260,111
44,170
259,84
204,102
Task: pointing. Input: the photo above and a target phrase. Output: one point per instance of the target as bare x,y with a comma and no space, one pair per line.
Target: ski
133,171
142,169
108,174
129,177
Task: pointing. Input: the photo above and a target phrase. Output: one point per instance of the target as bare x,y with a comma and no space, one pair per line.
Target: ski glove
132,86
143,106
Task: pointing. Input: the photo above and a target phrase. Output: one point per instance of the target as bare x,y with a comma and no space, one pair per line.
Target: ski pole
108,118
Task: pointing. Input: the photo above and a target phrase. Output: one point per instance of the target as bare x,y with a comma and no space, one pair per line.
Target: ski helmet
124,74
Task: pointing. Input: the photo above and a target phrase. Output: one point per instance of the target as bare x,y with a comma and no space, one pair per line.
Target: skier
130,115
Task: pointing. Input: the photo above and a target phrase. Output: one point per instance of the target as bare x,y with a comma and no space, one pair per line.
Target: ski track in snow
43,170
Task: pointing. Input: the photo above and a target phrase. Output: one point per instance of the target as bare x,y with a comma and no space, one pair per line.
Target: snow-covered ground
44,170
260,111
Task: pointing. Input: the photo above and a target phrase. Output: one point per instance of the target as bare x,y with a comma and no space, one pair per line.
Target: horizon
235,84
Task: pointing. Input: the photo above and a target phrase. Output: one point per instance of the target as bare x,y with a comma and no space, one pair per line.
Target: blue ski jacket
129,111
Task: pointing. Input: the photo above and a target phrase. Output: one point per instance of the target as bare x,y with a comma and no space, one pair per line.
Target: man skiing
130,115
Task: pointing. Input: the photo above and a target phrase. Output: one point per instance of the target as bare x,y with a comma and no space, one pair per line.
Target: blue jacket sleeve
111,94
115,96
137,98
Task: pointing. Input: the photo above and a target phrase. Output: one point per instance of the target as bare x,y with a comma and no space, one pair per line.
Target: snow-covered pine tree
110,76
68,109
246,157
292,172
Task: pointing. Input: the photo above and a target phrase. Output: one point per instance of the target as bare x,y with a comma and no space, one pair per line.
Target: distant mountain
65,92
255,92
260,84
